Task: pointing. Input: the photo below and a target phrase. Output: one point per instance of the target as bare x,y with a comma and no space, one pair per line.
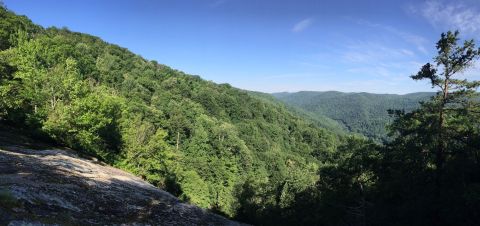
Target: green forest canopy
238,153
199,140
363,113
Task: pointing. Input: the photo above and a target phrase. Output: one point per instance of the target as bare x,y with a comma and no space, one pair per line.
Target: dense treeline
243,154
363,113
428,174
318,119
201,141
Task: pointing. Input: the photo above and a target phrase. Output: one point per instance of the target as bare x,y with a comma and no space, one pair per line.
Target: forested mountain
317,119
201,141
364,113
244,154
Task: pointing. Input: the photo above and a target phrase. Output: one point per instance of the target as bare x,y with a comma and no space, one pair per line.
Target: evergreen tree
434,159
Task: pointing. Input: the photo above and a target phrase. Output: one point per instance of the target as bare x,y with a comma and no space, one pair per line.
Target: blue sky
274,45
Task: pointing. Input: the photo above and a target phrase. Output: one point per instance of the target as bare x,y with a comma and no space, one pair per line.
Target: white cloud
302,25
374,60
418,41
373,53
450,15
472,73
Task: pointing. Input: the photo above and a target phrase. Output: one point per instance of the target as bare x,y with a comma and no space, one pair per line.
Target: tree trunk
440,154
178,139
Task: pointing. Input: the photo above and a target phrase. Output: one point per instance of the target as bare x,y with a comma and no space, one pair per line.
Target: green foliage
146,152
434,154
362,113
11,25
197,139
341,196
317,119
89,123
244,154
425,174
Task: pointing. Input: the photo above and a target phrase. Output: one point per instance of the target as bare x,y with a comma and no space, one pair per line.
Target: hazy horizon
325,91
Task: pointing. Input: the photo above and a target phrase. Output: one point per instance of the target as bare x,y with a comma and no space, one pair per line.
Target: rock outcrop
54,186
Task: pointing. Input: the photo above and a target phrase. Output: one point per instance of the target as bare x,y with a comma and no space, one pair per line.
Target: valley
92,133
362,113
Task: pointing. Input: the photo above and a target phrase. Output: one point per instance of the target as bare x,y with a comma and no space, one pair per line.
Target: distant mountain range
364,113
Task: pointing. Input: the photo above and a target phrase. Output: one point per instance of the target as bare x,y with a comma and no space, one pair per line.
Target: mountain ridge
209,144
344,92
357,112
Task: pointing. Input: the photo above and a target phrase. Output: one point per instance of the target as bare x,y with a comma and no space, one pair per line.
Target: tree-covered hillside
201,141
319,120
363,113
244,154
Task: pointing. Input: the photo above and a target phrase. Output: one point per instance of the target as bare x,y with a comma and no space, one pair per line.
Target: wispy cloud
418,41
357,66
370,52
368,59
472,73
450,15
302,25
374,59
390,71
